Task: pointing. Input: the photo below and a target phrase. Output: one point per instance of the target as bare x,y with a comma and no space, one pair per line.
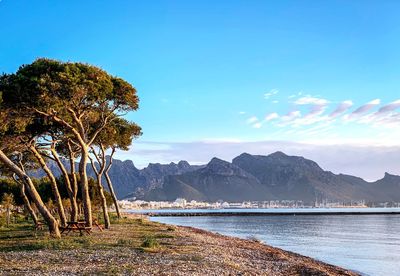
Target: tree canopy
54,111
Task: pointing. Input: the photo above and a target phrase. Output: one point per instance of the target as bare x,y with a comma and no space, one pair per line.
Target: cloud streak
341,108
386,116
389,107
365,108
271,93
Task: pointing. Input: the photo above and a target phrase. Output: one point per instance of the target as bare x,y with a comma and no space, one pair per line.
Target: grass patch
137,233
171,228
125,242
164,236
150,242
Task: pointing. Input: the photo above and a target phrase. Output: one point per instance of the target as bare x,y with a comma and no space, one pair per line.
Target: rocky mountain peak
278,154
222,167
183,164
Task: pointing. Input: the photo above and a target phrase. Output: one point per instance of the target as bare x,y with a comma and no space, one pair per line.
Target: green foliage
7,200
48,84
150,242
171,228
124,242
8,186
119,134
65,102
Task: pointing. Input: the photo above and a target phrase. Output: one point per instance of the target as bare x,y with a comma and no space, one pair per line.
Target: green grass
138,233
150,242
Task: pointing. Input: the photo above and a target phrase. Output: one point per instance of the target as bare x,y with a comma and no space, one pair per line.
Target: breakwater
291,213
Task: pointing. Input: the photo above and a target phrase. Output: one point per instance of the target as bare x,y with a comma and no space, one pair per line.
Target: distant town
181,203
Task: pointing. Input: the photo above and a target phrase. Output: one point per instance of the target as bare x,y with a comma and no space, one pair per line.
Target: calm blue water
369,244
270,210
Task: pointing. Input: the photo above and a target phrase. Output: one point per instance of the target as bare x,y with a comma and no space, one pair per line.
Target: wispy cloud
252,120
341,108
291,115
365,108
389,107
271,93
271,116
311,100
317,106
385,116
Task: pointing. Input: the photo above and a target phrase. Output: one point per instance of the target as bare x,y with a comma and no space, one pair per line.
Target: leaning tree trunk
103,203
114,198
99,174
27,204
30,187
110,185
74,205
53,183
87,207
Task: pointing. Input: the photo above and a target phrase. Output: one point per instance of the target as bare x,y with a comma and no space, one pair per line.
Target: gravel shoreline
181,251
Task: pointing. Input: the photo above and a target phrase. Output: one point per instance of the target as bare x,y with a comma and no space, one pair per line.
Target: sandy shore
178,251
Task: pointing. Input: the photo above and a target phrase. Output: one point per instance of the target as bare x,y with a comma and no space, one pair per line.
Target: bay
368,244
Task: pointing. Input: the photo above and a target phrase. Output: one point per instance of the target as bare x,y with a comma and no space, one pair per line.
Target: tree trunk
74,181
103,202
109,183
28,205
8,215
99,174
114,198
54,187
74,205
87,207
30,187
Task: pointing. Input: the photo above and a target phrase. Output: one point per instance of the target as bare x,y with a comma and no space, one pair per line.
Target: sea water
368,244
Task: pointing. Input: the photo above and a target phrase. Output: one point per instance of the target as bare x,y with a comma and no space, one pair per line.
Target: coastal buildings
181,203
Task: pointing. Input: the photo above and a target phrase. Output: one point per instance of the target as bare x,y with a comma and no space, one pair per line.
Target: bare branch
93,165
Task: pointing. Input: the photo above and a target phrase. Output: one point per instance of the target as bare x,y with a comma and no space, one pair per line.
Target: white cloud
389,107
252,120
275,101
257,125
271,116
291,115
311,100
242,112
317,106
365,108
341,108
271,93
338,123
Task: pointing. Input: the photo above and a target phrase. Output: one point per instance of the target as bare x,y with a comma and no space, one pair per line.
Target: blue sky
229,75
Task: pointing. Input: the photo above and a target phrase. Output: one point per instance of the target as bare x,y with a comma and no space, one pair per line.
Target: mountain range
248,177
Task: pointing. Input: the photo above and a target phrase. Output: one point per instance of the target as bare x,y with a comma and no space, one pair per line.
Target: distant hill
276,176
218,180
249,177
128,181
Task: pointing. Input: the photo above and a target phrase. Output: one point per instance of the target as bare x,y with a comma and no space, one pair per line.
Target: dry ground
140,247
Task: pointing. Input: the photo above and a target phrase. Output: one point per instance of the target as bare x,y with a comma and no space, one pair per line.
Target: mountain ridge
276,176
